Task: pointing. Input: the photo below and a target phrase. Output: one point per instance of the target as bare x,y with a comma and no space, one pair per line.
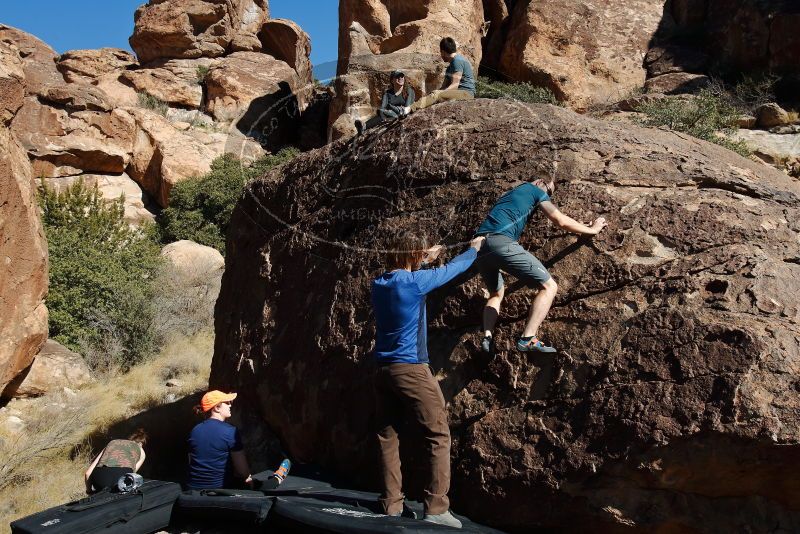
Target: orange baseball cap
212,398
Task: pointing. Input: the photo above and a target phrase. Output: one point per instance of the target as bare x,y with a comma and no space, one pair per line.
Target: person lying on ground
396,102
405,388
119,457
502,228
216,454
459,81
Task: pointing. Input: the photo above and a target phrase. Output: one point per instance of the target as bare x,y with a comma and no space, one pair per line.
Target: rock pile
210,78
674,400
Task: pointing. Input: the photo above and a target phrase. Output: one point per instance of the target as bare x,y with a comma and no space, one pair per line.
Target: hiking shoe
407,512
533,345
445,519
359,126
487,344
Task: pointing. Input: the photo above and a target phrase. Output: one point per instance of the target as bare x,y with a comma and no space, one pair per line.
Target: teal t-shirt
511,212
460,64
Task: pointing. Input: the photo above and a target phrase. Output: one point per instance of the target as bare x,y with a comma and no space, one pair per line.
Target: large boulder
586,52
673,403
55,367
89,65
67,132
191,29
376,37
163,156
23,255
38,59
258,94
195,272
286,41
741,35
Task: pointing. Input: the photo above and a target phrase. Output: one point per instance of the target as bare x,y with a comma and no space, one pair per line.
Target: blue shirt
510,214
210,445
398,302
461,64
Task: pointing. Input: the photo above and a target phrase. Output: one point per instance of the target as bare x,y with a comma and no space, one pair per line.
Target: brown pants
406,390
442,95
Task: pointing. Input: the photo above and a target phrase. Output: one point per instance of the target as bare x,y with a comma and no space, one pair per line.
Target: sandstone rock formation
196,28
38,59
112,187
196,272
286,41
740,35
54,368
586,52
673,403
88,65
12,83
162,156
378,36
23,256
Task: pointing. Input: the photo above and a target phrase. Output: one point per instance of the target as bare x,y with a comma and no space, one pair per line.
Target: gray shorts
502,252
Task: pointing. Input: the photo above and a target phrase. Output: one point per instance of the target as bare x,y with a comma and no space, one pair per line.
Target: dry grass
43,465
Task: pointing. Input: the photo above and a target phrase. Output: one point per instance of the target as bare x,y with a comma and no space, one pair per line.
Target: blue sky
71,24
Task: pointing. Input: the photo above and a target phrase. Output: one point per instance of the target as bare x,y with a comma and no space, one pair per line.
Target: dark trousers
382,116
106,477
409,392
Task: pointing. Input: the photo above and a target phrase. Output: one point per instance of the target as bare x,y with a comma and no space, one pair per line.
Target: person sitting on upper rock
396,102
459,81
119,457
502,229
216,454
405,387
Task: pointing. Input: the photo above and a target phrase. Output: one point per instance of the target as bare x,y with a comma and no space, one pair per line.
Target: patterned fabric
120,453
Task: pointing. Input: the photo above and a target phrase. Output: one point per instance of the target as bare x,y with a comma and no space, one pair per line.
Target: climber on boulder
405,387
502,228
459,80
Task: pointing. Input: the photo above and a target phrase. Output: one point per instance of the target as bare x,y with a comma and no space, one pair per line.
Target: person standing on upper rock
502,229
459,80
405,387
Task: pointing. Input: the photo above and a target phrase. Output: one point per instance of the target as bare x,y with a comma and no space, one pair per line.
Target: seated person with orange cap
216,453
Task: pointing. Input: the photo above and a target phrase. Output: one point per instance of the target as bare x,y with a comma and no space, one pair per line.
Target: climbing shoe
282,471
533,345
445,519
487,344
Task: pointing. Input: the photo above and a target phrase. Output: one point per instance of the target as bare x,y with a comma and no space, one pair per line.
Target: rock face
88,65
673,404
586,52
23,256
163,156
55,367
196,270
742,35
286,41
38,59
376,37
190,29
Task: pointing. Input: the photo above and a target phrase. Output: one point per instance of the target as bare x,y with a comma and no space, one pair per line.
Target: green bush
523,92
200,208
702,117
101,274
201,73
148,101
